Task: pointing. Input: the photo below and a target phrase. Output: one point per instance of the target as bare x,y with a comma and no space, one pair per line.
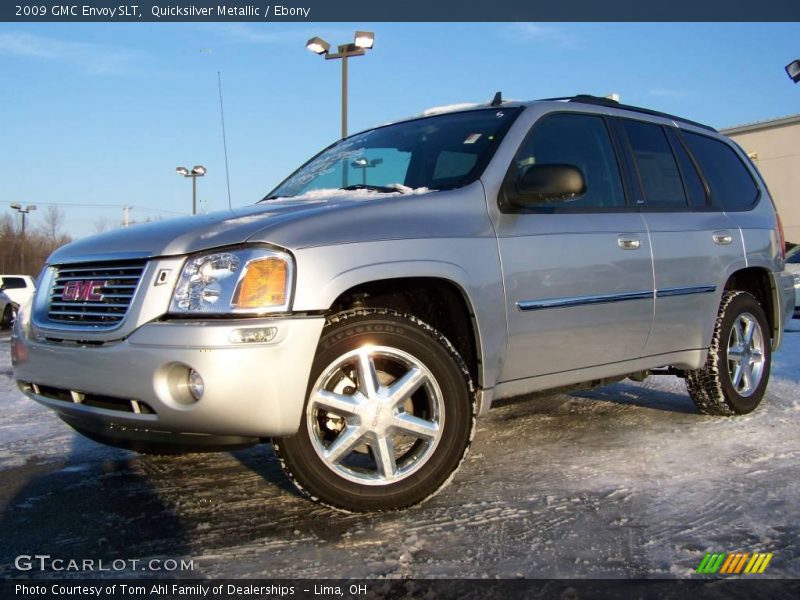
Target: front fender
471,264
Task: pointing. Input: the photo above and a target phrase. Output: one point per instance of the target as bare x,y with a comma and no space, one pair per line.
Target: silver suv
395,286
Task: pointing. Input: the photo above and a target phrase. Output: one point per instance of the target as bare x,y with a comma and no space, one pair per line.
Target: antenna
224,141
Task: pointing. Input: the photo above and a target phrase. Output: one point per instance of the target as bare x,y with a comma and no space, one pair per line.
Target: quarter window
732,187
658,170
691,179
582,141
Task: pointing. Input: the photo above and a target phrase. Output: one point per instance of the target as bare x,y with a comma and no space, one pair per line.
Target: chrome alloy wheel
375,415
746,354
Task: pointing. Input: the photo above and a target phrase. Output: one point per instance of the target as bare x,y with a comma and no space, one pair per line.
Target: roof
759,125
579,99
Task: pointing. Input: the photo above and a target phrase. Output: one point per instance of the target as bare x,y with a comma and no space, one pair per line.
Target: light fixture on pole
793,70
197,171
23,213
362,41
364,164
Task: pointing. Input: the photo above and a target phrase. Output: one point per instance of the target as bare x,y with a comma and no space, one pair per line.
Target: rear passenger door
578,273
693,242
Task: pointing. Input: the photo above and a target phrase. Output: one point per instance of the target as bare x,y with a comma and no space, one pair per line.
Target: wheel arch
760,282
440,301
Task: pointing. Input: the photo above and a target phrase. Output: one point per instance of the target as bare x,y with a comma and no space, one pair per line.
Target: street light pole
197,171
344,95
23,212
362,41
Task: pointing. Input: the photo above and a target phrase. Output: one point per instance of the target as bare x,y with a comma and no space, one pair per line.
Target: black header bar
405,10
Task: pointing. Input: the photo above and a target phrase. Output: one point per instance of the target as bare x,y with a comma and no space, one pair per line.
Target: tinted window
793,256
453,165
658,170
581,141
732,187
13,283
691,180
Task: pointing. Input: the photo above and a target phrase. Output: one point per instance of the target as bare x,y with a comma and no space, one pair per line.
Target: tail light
781,237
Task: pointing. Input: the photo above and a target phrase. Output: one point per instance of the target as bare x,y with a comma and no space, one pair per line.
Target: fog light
255,335
196,385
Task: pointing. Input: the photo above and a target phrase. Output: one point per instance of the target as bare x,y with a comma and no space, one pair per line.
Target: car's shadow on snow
95,505
621,394
629,394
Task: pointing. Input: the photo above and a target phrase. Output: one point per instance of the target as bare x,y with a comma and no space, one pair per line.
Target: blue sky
101,114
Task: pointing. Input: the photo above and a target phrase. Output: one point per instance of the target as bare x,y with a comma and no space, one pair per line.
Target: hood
324,217
184,235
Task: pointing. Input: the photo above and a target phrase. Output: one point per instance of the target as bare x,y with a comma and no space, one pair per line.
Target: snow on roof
437,110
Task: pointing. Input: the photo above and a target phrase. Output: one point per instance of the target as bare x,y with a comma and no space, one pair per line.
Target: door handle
722,237
629,242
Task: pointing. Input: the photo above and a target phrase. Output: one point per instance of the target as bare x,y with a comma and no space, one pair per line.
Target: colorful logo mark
734,563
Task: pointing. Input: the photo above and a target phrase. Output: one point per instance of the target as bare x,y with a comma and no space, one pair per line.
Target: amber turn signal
263,284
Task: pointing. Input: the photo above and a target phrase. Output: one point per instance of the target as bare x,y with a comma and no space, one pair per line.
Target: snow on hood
365,194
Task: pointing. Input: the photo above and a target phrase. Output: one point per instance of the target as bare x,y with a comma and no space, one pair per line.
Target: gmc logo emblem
83,291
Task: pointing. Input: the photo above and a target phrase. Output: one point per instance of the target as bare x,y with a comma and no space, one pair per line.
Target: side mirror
543,184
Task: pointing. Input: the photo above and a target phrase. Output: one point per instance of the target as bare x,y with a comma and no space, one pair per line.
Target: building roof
759,125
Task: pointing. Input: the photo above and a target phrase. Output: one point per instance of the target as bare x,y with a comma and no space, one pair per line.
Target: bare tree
38,244
103,224
52,223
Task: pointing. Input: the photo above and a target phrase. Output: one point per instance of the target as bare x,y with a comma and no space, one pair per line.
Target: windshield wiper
373,188
270,198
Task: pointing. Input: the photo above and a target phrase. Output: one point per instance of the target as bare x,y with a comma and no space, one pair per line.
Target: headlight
242,281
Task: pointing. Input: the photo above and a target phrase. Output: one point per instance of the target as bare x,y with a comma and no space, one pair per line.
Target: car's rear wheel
736,373
389,414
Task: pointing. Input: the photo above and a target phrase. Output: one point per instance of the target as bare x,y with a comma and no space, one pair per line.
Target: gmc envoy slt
404,279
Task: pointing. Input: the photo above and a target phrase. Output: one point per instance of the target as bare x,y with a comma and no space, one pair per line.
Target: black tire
321,479
8,317
712,388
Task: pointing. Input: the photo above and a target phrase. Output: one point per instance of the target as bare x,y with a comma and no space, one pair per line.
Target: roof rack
597,100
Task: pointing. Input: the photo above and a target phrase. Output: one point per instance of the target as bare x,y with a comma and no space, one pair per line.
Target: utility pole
126,216
23,212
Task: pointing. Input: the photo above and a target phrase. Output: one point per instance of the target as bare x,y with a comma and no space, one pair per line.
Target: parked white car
15,290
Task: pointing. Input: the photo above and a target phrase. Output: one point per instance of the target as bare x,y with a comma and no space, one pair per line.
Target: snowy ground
623,481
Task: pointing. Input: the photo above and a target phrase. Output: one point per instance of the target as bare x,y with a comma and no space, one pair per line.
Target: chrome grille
93,294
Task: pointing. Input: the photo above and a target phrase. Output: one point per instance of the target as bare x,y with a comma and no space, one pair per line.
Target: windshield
439,152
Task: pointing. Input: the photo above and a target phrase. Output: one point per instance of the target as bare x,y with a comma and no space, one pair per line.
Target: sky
96,116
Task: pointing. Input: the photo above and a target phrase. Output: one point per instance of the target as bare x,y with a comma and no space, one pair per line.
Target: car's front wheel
389,414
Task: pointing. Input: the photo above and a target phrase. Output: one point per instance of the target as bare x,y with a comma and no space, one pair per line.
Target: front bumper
251,389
